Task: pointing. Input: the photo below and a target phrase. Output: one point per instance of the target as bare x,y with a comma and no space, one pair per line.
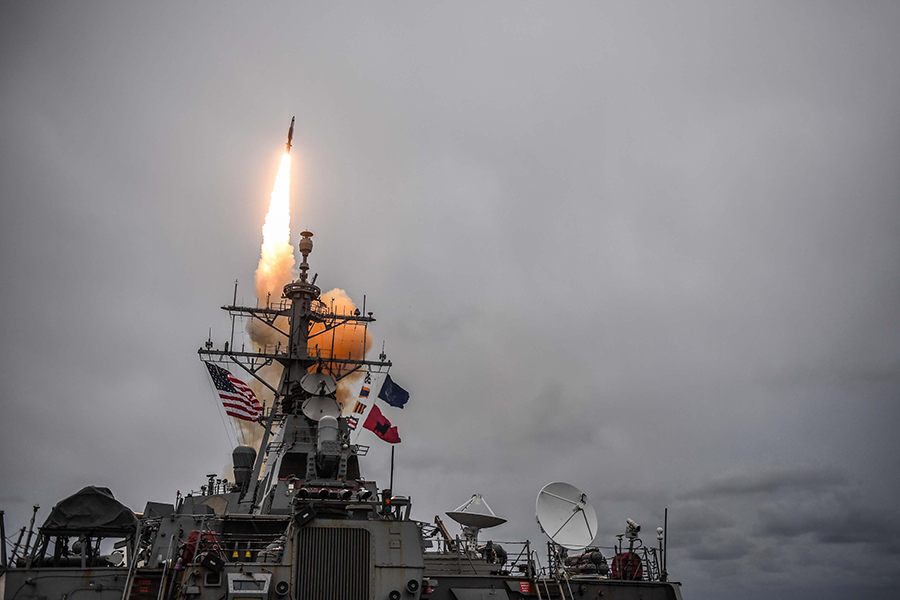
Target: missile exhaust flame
275,270
276,260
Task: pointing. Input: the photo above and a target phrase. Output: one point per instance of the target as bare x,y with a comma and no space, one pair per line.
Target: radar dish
467,515
316,407
565,514
318,384
475,520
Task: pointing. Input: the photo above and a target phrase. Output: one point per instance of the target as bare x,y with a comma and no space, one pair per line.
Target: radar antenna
473,518
565,514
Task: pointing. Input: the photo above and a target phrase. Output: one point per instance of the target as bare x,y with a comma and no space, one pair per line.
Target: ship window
249,584
293,465
212,579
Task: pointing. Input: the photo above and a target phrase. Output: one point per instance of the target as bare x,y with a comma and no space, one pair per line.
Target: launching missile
287,147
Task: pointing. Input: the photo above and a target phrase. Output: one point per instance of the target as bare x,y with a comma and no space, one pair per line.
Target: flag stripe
240,407
241,416
239,384
237,398
240,404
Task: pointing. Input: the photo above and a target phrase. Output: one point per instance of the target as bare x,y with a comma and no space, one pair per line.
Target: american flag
238,399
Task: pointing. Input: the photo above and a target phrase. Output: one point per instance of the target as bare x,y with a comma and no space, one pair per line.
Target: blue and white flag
392,393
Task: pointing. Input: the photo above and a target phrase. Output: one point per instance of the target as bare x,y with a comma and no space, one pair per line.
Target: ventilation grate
333,564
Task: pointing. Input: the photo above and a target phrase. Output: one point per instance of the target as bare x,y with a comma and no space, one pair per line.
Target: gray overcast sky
651,249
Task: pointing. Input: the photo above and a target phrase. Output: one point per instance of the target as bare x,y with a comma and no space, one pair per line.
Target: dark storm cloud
724,548
842,519
651,249
785,521
551,415
807,479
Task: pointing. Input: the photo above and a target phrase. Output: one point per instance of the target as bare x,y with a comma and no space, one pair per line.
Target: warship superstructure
301,522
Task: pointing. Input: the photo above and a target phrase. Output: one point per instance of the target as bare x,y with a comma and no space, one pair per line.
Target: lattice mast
293,318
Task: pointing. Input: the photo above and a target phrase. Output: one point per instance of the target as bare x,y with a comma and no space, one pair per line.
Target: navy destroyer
300,521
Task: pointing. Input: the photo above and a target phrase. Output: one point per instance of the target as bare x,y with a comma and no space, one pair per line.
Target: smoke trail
276,257
347,341
275,270
276,263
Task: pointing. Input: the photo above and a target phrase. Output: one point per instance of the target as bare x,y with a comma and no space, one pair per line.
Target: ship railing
519,556
305,435
246,549
236,546
308,435
275,446
318,308
238,550
344,360
273,349
281,349
326,355
650,559
620,565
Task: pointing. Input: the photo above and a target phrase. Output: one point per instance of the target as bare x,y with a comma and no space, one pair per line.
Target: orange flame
276,258
276,263
275,270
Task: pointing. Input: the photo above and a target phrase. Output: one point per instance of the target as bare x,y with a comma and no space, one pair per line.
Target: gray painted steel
300,522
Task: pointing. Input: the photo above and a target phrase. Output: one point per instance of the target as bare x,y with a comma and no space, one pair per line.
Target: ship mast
301,450
293,317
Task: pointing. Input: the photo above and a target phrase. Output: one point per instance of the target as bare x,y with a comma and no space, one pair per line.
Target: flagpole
392,470
233,303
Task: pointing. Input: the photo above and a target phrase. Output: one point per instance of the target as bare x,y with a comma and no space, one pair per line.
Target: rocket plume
275,270
276,263
276,258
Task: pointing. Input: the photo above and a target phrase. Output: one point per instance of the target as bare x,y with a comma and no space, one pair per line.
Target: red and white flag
238,399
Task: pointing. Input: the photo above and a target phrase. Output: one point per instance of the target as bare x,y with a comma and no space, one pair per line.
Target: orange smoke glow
349,341
275,270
